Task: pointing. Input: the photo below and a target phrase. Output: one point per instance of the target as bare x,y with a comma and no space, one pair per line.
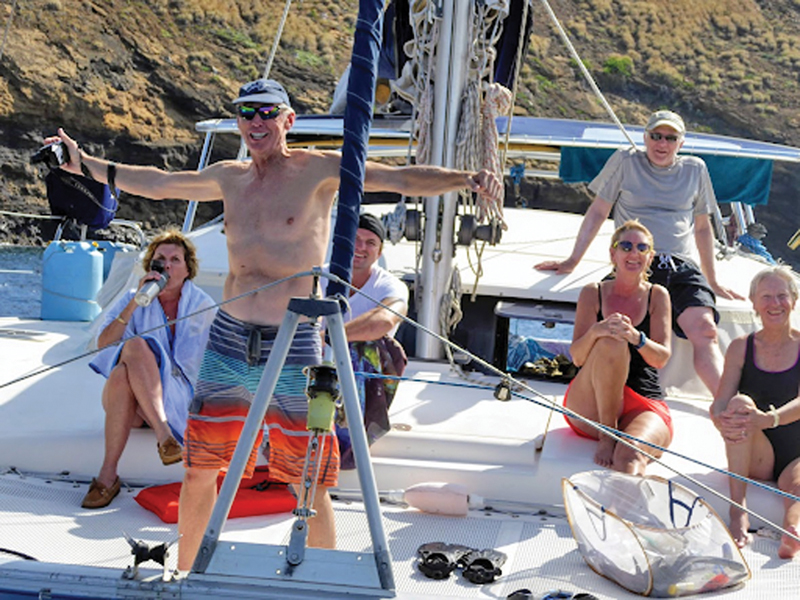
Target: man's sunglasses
248,113
627,246
657,137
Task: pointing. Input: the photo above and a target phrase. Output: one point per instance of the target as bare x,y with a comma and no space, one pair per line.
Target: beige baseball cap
668,118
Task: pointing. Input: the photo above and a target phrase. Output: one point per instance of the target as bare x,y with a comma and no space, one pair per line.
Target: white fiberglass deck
43,520
514,451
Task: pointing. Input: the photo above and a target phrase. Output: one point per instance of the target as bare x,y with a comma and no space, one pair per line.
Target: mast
357,121
438,246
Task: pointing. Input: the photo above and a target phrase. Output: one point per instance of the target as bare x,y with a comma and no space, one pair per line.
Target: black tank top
642,377
776,388
767,387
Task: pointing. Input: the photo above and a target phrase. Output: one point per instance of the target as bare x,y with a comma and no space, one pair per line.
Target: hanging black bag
89,202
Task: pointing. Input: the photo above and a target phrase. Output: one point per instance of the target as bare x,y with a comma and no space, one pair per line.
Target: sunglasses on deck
248,113
657,137
627,246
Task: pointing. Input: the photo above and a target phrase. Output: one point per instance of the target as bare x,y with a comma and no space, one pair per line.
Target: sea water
20,281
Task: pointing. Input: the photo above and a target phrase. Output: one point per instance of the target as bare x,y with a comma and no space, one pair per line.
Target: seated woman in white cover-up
151,375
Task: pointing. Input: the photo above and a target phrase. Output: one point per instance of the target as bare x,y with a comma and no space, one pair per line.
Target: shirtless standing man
277,223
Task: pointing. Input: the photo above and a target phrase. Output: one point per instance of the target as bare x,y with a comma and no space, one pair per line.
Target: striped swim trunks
232,366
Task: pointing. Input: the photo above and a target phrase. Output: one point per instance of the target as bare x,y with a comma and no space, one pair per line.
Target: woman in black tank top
621,337
757,408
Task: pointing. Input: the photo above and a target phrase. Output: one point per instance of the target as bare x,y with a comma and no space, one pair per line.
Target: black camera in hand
53,155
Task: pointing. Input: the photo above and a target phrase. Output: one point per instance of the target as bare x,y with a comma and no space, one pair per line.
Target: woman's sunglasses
627,246
266,113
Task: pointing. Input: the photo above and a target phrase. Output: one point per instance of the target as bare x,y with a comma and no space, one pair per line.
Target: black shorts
686,284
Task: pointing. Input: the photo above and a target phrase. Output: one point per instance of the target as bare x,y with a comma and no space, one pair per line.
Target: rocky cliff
130,78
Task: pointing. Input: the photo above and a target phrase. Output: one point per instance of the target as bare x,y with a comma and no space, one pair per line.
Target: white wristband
776,418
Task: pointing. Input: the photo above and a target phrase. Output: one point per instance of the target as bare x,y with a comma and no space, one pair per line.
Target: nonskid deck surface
456,434
43,519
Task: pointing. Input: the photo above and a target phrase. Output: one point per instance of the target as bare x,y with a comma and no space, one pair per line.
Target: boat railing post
252,425
191,210
358,439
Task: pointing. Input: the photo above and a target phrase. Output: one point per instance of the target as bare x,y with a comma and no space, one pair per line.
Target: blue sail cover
740,169
357,121
735,179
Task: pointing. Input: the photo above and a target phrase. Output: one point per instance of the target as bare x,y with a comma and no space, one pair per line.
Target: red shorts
632,401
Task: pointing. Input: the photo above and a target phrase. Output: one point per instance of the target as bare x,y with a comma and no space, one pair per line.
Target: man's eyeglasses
266,113
657,137
628,246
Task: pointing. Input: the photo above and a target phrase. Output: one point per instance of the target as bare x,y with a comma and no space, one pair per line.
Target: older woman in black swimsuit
757,408
621,337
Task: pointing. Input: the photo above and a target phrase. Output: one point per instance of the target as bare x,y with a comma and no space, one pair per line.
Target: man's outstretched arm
595,215
148,182
425,180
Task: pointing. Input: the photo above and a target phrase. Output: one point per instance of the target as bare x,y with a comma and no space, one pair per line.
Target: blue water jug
109,250
72,273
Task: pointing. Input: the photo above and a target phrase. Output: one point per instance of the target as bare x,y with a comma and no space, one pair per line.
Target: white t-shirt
380,286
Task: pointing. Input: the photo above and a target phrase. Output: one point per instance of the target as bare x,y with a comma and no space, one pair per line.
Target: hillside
129,78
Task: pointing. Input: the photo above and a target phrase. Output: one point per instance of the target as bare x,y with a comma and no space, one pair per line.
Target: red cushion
256,496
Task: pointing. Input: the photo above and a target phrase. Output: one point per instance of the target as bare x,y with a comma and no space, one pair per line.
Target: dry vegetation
735,63
732,66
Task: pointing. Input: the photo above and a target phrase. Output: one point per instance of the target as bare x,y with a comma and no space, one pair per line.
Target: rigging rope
421,52
620,437
585,72
43,370
9,213
277,39
481,103
468,137
564,411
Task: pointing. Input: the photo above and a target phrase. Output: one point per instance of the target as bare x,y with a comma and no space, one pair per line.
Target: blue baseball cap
266,91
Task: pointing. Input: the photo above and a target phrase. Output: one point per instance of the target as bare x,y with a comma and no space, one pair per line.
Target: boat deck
542,554
514,454
512,451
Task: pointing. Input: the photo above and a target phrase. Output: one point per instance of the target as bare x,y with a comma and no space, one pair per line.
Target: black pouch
87,201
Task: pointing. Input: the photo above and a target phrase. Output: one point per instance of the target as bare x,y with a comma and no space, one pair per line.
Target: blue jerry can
72,274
